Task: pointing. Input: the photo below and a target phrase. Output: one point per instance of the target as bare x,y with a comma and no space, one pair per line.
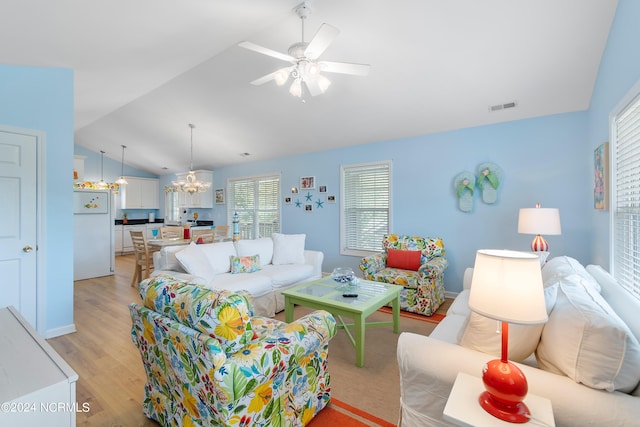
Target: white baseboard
451,295
63,330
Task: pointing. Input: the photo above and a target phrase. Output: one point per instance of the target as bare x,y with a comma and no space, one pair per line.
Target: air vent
505,106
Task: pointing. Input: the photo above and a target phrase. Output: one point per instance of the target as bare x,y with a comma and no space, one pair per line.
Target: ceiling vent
505,106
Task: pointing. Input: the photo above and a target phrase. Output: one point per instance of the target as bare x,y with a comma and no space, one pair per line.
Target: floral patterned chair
210,362
415,263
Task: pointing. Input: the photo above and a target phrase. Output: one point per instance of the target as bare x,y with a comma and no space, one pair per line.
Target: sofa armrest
371,264
434,267
428,369
314,258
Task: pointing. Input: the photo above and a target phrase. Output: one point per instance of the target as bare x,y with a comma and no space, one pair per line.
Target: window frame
632,98
360,252
232,208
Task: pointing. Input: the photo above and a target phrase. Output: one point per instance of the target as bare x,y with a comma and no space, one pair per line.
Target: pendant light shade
122,180
191,184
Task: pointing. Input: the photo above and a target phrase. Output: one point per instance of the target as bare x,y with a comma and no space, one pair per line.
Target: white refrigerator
93,225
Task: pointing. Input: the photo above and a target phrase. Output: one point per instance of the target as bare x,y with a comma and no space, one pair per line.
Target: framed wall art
308,183
601,177
219,194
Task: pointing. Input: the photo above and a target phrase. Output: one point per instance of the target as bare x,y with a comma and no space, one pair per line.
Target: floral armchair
423,286
210,362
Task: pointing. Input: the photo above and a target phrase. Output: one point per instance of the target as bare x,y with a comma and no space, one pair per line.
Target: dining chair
222,233
207,235
144,260
171,232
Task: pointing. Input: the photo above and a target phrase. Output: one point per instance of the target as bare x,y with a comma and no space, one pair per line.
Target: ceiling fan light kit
306,69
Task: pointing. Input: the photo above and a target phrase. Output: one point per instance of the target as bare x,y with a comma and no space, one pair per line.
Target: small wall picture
287,200
308,183
308,208
331,198
601,177
219,192
294,190
322,189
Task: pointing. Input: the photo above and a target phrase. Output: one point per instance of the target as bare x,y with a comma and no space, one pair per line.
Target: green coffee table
326,294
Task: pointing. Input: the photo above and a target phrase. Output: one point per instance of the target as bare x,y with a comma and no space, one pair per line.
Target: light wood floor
111,376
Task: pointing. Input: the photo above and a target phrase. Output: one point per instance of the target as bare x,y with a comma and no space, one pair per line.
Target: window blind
257,202
626,204
366,207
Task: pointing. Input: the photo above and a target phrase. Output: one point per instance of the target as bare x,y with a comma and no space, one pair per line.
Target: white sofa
586,361
280,263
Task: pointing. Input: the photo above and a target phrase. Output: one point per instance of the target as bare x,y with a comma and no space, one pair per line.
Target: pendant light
101,184
191,184
121,180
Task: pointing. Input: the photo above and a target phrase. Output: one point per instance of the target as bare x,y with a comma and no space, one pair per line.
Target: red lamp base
506,388
539,244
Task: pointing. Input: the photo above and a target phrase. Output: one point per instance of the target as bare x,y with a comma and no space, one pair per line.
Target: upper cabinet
140,193
197,200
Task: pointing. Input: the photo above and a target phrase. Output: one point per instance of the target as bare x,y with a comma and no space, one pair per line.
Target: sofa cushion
218,255
405,260
286,275
262,247
245,264
288,248
257,284
585,340
223,315
194,261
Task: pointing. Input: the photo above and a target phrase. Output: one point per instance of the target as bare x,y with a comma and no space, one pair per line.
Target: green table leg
396,314
288,310
359,324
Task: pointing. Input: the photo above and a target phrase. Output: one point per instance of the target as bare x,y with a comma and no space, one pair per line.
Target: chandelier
191,184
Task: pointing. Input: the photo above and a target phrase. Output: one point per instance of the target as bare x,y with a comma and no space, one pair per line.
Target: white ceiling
145,69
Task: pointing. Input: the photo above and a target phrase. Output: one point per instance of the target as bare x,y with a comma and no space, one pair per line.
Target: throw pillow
218,255
245,264
193,260
563,266
288,248
405,260
585,340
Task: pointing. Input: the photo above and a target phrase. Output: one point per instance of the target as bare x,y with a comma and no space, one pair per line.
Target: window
257,202
365,207
626,195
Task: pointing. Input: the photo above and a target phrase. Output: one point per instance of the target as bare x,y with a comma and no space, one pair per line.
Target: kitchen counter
139,222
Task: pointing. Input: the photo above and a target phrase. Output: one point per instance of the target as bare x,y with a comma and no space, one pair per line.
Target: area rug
338,413
434,318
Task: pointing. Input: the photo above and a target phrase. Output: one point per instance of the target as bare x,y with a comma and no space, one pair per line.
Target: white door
18,224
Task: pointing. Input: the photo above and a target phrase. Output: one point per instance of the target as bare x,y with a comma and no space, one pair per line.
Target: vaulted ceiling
145,69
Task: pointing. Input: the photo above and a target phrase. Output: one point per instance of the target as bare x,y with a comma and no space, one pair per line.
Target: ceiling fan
306,68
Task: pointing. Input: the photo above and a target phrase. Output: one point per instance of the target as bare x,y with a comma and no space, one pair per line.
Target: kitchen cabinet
140,193
196,200
117,237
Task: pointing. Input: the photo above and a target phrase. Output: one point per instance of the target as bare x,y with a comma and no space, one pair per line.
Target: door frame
41,232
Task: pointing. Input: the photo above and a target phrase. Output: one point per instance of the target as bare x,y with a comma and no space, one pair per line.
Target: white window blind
626,198
365,207
257,202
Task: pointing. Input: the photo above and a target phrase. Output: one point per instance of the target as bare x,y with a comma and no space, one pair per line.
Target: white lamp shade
539,221
507,286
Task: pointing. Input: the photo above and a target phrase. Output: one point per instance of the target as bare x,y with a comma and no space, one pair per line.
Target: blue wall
619,71
42,99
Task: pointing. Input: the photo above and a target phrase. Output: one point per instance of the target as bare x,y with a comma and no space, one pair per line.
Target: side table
463,408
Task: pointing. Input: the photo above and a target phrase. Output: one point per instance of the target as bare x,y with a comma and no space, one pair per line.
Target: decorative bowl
343,275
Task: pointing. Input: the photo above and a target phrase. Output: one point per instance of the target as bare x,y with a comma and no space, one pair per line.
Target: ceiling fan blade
321,41
314,88
270,76
263,50
345,68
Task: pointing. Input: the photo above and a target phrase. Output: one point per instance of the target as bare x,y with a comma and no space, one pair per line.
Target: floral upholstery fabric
423,290
244,264
278,378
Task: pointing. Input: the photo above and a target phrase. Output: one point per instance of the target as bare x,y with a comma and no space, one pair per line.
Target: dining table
161,243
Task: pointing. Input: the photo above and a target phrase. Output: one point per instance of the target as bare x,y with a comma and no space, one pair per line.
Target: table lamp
539,221
507,286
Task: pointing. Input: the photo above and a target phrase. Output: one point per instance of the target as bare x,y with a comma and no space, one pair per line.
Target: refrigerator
93,241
